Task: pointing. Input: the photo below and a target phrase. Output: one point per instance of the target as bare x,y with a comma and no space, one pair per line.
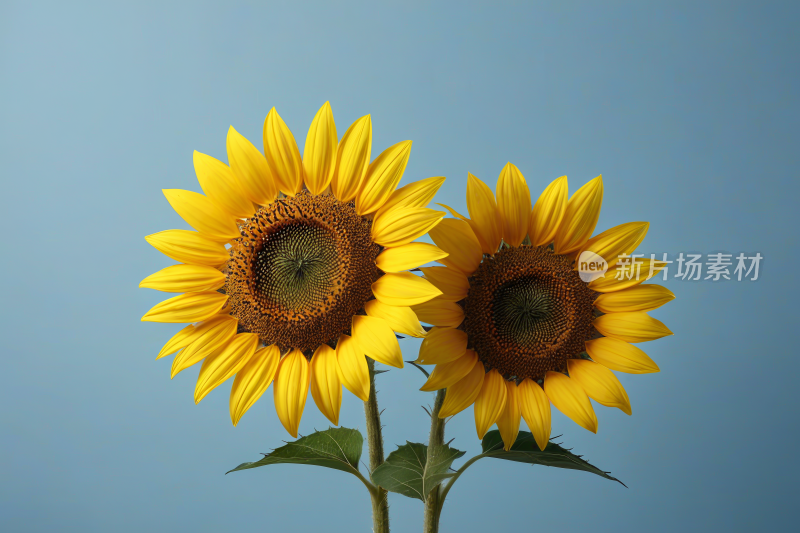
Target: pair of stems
380,503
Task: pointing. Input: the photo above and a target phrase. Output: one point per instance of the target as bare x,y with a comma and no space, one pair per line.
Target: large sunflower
314,277
516,327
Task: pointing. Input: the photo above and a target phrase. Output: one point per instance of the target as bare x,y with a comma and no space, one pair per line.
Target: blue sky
689,110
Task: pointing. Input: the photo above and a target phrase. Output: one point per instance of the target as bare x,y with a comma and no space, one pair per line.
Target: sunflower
516,327
298,268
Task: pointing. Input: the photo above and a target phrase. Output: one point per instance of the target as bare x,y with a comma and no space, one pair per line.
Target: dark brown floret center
302,268
296,268
524,311
528,312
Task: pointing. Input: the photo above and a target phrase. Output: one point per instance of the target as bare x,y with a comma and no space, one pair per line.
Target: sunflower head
297,268
516,326
527,312
302,269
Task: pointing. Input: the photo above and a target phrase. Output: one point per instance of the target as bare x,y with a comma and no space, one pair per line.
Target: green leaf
337,448
525,450
407,470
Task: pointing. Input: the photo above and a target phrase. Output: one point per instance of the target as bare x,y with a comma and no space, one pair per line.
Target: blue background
689,110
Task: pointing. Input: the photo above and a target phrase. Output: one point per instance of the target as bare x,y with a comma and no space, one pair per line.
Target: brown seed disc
527,312
302,268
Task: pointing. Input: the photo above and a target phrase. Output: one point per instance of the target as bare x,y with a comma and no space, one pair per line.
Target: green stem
380,504
435,499
457,475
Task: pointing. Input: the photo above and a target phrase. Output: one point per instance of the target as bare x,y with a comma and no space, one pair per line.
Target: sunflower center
303,267
523,311
528,312
296,268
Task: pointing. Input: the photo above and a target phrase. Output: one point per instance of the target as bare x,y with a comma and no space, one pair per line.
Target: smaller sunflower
298,268
516,328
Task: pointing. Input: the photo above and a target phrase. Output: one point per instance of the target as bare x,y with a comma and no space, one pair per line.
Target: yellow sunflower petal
291,390
283,157
453,212
223,364
508,421
442,345
445,375
352,159
631,327
569,398
514,203
252,380
483,210
583,210
453,283
220,184
457,239
548,212
208,337
251,169
377,340
417,194
182,339
404,289
490,402
617,278
353,368
185,278
189,307
485,246
408,256
188,247
617,241
440,312
535,408
463,393
599,383
382,178
326,388
401,226
638,298
619,355
202,214
400,319
319,155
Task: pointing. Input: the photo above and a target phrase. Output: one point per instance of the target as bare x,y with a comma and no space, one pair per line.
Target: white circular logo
591,266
